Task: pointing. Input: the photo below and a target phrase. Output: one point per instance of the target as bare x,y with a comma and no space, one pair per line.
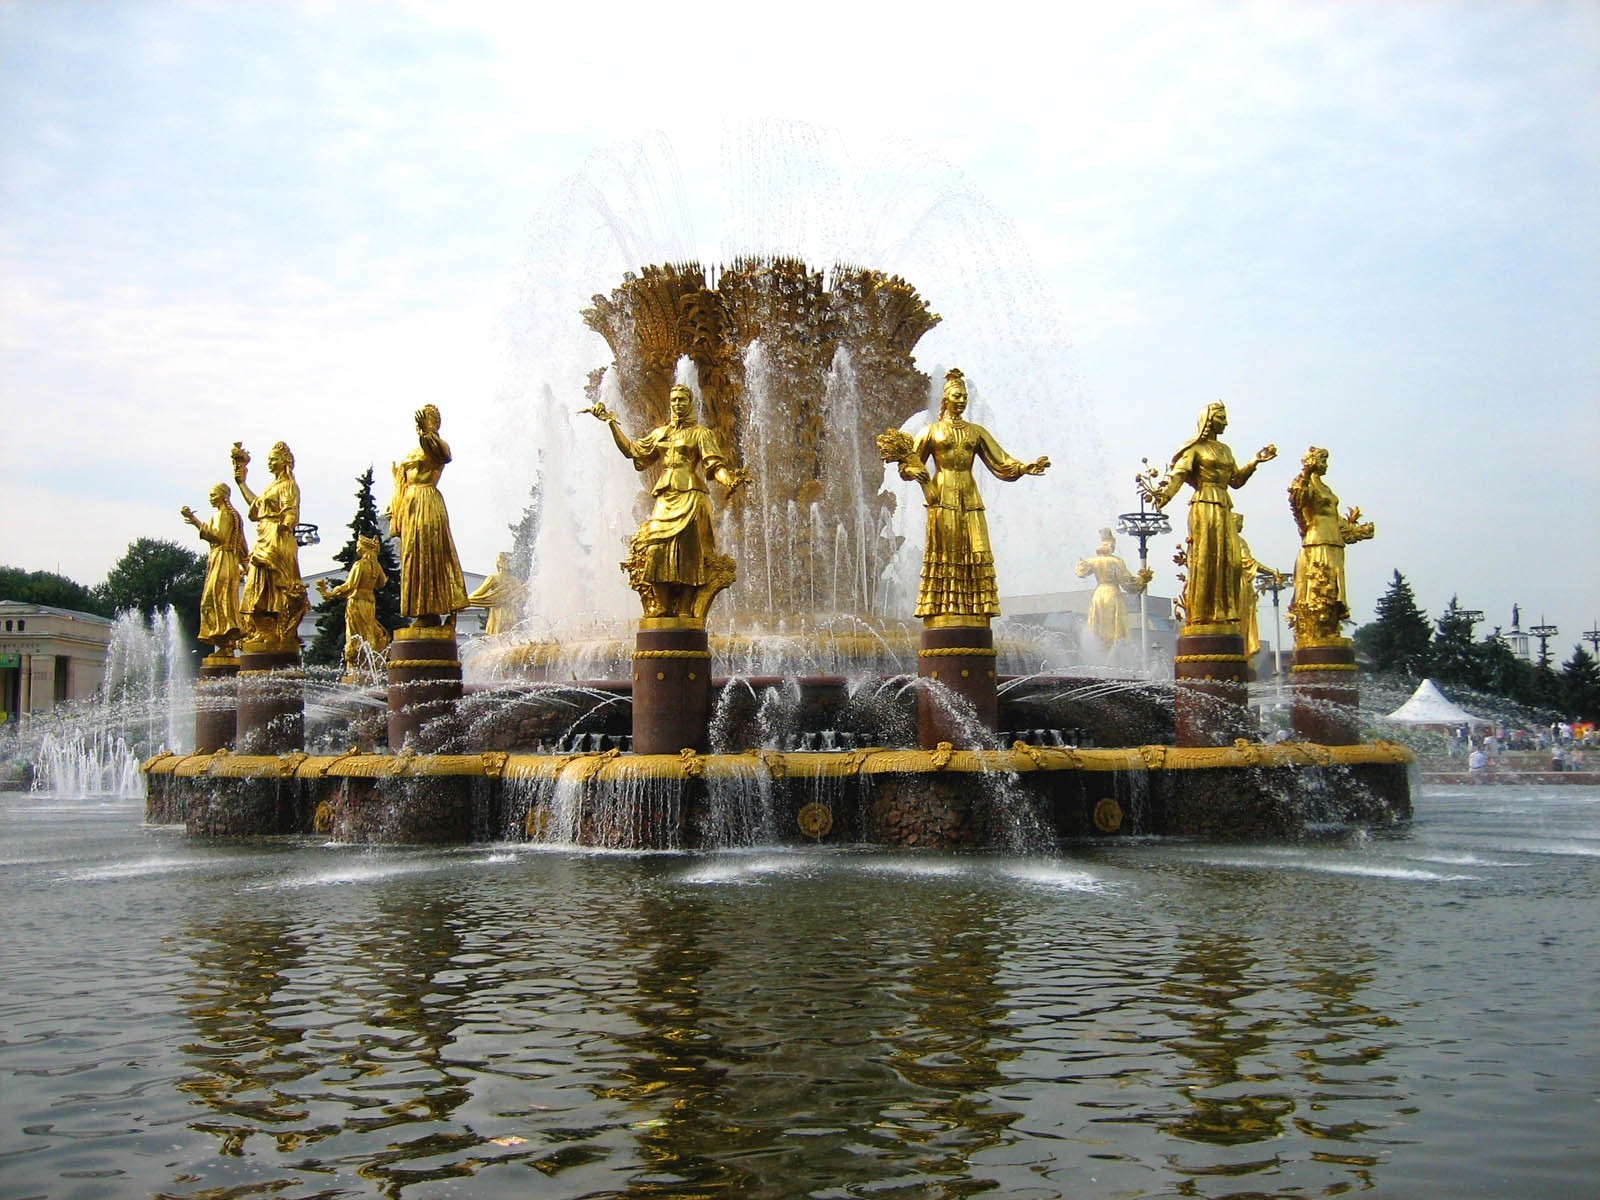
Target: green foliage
327,647
153,573
525,534
46,587
1400,639
1579,684
1452,654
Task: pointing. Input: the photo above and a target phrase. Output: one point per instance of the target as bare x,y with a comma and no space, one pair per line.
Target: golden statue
432,590
1108,617
1321,603
503,595
1250,591
220,621
274,597
672,561
957,561
359,591
1211,553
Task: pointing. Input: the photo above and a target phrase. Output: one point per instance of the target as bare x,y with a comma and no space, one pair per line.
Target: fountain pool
1406,1013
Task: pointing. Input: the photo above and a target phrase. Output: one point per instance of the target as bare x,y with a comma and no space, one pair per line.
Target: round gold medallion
815,820
322,819
1108,816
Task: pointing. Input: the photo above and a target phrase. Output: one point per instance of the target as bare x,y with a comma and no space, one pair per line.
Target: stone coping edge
612,765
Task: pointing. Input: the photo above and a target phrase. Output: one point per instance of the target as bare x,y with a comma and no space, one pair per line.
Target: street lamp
1471,616
1144,525
1544,631
1593,636
1268,580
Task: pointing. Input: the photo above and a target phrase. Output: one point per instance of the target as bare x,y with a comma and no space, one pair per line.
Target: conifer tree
1399,639
327,648
1580,686
525,534
1453,659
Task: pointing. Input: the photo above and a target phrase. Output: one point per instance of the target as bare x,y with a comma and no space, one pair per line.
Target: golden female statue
220,620
672,561
957,561
1108,616
1249,592
502,595
432,590
274,597
1212,551
1321,603
359,592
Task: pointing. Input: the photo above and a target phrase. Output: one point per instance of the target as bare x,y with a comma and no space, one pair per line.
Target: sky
1369,227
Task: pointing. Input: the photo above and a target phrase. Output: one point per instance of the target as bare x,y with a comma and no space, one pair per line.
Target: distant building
49,656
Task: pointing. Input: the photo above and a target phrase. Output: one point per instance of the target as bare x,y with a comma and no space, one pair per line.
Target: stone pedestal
424,679
271,714
1326,695
1211,706
216,703
962,659
671,686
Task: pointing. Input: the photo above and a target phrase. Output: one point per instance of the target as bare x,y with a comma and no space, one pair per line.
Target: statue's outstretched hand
1038,466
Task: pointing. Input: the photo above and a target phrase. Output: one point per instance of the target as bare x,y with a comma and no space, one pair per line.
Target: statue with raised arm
1108,616
1321,604
432,590
672,561
1211,552
274,598
503,595
958,578
221,623
363,635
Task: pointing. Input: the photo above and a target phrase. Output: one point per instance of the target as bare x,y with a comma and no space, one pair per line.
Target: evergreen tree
1497,670
327,648
1580,686
1399,639
525,534
1453,659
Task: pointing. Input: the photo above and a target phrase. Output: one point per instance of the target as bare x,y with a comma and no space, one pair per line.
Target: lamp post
1593,636
1544,631
1471,616
1268,580
1144,525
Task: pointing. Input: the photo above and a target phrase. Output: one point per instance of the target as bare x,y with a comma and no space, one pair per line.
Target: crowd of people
1568,747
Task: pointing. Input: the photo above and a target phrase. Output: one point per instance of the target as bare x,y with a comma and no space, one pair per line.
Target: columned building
48,656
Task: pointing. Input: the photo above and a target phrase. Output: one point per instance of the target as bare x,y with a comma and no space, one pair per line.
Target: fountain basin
939,798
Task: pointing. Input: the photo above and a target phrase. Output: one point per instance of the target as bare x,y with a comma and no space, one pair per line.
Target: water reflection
780,1049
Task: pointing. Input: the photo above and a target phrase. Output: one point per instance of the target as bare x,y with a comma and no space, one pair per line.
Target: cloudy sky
1371,227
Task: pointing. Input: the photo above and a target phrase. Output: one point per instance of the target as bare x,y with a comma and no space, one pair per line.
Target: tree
1580,686
1452,656
525,534
327,647
1399,639
153,573
46,587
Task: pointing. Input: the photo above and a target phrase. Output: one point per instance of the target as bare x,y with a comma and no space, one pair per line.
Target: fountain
812,713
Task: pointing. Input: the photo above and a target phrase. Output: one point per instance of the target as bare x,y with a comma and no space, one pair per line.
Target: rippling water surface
1408,1015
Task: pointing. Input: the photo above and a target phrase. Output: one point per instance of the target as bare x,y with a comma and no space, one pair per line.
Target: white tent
1428,706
